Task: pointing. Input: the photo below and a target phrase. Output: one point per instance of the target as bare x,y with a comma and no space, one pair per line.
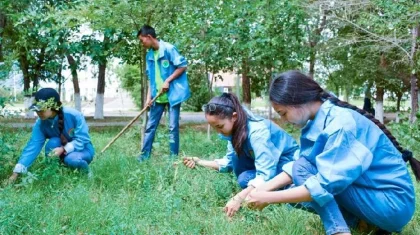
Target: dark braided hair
61,124
293,88
224,106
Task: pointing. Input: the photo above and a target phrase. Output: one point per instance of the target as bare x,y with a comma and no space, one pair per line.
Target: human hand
257,200
233,206
58,151
11,179
190,162
165,86
148,102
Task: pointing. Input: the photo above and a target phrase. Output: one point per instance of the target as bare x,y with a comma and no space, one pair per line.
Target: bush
407,134
199,92
131,81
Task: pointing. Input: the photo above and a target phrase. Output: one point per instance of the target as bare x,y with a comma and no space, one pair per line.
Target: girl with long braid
351,170
257,148
66,130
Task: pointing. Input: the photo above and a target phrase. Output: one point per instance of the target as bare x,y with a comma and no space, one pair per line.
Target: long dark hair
224,106
60,114
293,88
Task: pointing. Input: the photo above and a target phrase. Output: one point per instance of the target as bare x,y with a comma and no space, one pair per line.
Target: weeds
125,197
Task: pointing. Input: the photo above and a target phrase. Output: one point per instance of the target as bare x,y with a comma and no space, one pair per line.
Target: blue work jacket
169,60
75,130
270,147
347,148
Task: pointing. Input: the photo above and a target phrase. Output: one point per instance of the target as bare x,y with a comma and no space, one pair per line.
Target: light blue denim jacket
271,147
348,148
75,130
169,60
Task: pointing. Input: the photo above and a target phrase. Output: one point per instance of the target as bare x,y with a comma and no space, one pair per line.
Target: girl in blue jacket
66,130
257,149
351,169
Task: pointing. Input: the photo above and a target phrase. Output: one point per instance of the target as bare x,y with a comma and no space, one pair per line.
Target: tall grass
125,197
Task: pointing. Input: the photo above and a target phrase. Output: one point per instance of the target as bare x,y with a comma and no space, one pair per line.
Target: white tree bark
379,111
99,106
77,102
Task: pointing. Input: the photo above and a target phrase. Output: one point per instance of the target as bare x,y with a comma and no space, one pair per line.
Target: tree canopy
347,45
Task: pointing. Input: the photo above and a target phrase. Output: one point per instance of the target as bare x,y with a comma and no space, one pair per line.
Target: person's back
387,169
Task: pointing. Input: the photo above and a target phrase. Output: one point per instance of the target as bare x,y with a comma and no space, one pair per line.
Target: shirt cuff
69,147
288,168
20,169
223,164
256,182
318,193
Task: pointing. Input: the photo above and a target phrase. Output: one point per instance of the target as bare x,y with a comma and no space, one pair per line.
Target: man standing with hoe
166,71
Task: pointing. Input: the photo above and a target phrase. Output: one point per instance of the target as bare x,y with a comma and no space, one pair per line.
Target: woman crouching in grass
351,170
257,148
66,130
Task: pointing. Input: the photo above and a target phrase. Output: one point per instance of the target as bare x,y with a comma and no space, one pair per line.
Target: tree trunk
413,77
246,84
2,26
399,98
60,80
368,92
379,112
348,90
24,66
270,112
380,91
144,88
313,42
143,76
237,85
75,79
38,68
99,103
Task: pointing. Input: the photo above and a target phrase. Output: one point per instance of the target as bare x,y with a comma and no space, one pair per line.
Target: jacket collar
314,127
150,55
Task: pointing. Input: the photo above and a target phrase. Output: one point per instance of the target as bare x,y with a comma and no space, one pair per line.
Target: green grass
125,197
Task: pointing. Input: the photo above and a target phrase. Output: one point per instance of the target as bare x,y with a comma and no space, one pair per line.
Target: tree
385,24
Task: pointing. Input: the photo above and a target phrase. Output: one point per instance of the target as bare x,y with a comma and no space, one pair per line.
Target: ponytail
240,132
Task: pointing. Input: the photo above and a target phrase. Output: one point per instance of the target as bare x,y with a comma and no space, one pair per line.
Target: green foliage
9,145
48,104
131,81
407,134
200,91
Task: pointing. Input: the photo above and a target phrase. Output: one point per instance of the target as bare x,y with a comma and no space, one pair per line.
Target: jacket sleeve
267,156
342,160
177,59
81,135
31,150
225,163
